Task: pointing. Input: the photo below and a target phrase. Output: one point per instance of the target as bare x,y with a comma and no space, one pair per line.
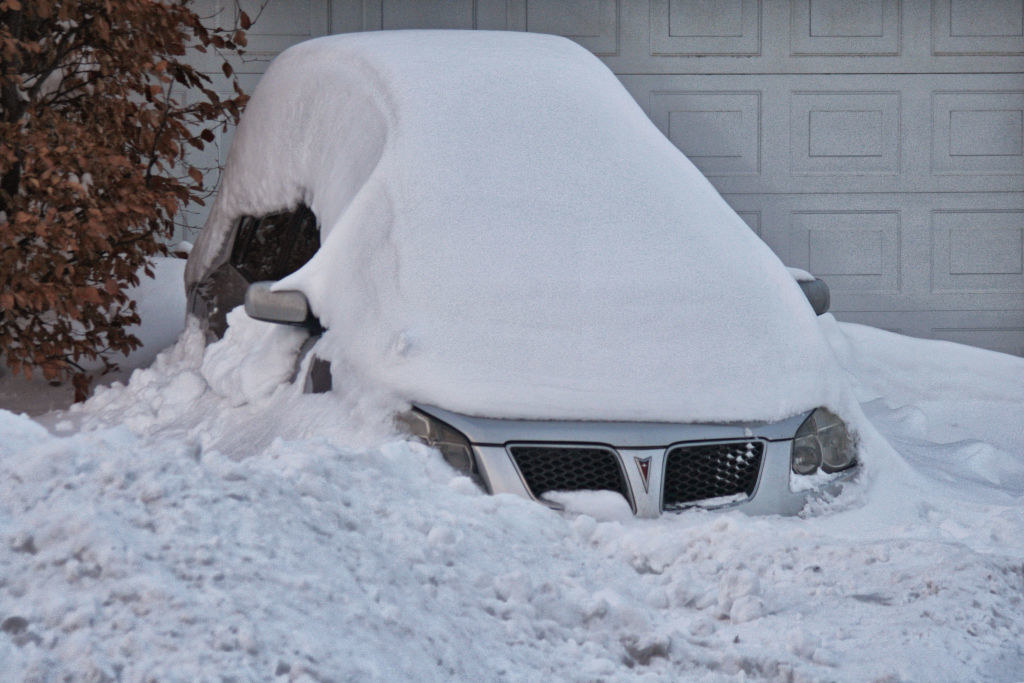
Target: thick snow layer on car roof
505,233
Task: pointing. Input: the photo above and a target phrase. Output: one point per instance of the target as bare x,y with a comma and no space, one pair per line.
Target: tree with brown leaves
98,107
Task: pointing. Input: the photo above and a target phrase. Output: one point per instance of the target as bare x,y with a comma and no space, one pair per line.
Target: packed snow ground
208,521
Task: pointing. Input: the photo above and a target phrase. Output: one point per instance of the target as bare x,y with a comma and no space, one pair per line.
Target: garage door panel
705,28
854,242
594,24
845,133
969,27
720,130
403,14
855,250
841,27
978,133
977,251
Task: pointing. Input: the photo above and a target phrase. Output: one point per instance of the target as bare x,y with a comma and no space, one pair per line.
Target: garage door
877,143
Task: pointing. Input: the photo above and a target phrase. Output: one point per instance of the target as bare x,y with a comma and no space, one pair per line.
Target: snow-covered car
487,226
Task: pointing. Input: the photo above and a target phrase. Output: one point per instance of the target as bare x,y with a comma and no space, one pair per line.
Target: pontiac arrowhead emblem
644,465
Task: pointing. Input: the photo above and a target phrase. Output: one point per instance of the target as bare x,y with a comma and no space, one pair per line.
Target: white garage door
876,143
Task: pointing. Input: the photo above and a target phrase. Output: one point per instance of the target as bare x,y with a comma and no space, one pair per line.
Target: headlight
455,447
822,442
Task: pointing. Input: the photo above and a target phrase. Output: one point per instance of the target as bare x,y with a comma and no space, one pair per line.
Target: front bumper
641,450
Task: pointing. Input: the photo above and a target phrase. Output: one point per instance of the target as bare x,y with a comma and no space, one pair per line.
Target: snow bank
505,233
952,415
168,531
269,360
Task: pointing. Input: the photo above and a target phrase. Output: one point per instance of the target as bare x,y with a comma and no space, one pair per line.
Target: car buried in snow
487,226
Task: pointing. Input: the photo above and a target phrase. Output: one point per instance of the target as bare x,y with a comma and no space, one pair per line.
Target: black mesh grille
711,470
569,468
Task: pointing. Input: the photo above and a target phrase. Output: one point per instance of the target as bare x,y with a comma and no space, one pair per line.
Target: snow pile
954,413
169,530
269,359
505,233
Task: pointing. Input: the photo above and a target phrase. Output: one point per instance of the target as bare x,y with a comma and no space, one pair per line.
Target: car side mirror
817,294
288,307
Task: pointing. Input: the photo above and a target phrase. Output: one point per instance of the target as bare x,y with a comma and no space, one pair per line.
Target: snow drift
166,530
505,233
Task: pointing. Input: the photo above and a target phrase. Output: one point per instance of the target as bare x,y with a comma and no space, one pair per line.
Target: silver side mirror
287,307
817,294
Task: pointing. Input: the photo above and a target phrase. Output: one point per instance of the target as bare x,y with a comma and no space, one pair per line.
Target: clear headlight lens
454,447
822,442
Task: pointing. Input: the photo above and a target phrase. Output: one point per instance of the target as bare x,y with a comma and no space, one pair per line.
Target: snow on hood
506,233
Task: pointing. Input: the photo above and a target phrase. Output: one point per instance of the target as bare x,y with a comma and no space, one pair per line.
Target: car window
275,245
266,248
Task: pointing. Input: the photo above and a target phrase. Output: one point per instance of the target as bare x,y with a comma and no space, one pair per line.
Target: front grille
699,472
569,468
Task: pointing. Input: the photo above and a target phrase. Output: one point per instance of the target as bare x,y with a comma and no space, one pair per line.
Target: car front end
759,467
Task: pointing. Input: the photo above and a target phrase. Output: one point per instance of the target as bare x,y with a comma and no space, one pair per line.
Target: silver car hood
493,431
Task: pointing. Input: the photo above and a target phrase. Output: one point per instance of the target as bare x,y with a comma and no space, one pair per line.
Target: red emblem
644,465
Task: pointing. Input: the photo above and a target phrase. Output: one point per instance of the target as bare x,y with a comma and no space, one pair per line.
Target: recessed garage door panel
720,129
973,28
